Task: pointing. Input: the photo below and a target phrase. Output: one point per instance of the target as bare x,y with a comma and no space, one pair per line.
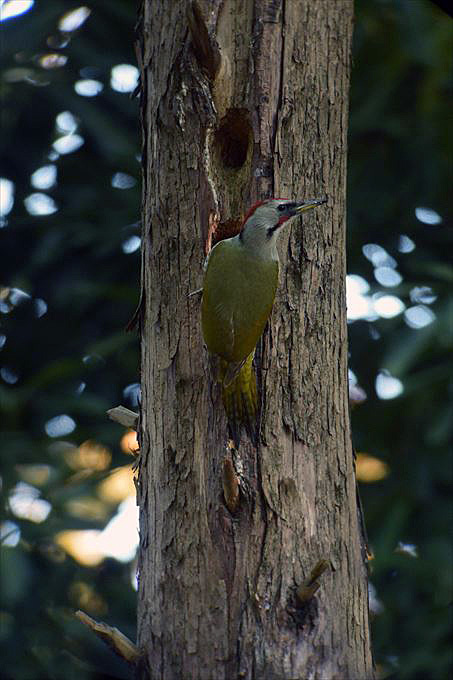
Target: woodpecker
240,282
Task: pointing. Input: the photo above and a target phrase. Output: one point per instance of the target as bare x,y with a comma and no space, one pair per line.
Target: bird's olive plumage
238,293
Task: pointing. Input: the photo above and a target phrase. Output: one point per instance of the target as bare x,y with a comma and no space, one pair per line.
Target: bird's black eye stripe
271,230
286,206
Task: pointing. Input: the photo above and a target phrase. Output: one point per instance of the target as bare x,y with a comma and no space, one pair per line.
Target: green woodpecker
241,277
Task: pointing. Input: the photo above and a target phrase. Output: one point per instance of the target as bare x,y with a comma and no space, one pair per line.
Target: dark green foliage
400,156
73,260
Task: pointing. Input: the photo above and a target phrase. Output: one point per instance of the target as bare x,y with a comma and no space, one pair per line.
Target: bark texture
249,102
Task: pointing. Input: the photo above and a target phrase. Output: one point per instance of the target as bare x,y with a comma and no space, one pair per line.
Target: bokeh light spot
59,426
80,387
129,442
378,256
124,78
71,21
90,455
388,306
9,534
406,549
25,503
388,387
370,469
122,180
44,177
405,244
119,539
40,307
66,122
6,196
423,295
17,296
118,485
387,276
52,60
39,204
13,8
428,216
132,393
82,545
375,604
68,143
131,244
88,87
419,316
8,375
358,304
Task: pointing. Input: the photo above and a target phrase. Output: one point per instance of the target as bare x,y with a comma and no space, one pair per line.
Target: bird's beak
307,205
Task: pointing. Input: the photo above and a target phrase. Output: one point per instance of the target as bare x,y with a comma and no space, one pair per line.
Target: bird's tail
240,399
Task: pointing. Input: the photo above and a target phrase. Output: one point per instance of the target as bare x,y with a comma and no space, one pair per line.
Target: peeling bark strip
241,100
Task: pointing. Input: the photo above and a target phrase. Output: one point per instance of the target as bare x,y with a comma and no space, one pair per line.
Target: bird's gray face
262,225
275,213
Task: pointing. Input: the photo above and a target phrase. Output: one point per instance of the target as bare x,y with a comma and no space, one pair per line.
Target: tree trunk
257,109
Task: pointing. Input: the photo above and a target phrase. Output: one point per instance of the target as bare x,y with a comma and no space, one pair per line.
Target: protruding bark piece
113,638
230,483
309,587
123,416
138,313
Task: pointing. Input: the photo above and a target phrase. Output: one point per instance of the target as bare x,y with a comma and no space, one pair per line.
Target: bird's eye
286,207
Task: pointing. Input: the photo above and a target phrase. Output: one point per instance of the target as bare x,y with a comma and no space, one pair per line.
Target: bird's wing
217,312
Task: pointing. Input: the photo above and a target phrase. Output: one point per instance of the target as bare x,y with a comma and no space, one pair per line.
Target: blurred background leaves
70,240
400,245
69,281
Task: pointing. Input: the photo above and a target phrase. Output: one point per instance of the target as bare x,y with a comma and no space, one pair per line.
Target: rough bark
258,109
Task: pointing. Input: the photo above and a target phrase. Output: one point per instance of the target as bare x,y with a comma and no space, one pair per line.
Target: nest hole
233,138
226,229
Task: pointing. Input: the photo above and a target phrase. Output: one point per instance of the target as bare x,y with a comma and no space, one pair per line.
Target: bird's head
263,222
